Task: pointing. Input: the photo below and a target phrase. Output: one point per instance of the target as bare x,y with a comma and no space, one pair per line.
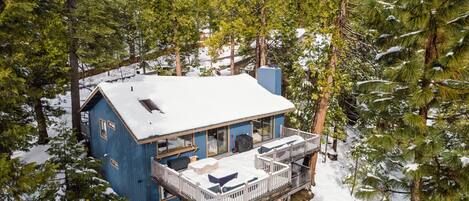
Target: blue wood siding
201,143
132,177
238,129
278,122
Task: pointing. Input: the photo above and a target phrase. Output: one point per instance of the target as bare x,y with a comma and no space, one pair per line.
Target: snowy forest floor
330,175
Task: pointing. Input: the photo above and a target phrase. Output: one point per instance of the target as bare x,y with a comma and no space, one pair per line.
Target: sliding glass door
217,141
262,129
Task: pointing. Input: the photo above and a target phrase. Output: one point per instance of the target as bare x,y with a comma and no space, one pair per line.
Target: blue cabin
159,118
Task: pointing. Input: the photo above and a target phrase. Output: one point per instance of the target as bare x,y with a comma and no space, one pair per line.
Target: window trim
102,134
272,127
175,151
227,143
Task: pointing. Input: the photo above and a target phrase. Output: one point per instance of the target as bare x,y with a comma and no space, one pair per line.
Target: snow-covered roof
188,104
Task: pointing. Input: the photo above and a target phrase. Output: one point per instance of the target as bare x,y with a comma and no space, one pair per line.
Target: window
174,144
262,129
149,105
103,129
217,141
114,163
165,195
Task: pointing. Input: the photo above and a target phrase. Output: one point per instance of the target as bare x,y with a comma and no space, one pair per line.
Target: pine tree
33,34
175,25
78,174
416,109
93,40
230,23
20,181
260,19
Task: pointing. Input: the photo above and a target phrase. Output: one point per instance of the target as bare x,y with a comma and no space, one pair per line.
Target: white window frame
103,129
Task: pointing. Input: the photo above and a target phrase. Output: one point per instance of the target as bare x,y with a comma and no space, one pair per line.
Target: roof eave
204,128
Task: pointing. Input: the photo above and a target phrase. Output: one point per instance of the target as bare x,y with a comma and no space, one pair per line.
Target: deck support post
271,166
180,183
312,166
245,191
269,182
199,194
282,134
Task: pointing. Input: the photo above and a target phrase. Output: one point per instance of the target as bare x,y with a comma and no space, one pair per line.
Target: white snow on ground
464,161
36,154
330,175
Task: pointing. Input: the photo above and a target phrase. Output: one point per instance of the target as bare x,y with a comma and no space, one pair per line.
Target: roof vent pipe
131,88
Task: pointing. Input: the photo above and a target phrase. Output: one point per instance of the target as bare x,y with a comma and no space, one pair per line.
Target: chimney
270,78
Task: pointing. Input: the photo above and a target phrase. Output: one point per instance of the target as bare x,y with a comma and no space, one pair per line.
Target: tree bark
257,51
323,102
41,121
178,62
262,38
431,54
74,74
334,144
232,55
263,51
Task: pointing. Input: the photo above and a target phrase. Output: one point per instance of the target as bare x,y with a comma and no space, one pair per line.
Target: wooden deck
285,176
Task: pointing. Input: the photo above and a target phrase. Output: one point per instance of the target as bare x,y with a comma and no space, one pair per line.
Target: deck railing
290,152
312,140
279,174
250,191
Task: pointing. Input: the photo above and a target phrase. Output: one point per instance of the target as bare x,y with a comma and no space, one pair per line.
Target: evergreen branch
398,192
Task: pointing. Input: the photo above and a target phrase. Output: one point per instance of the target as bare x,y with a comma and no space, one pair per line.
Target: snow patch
411,167
464,161
411,33
382,99
391,50
372,81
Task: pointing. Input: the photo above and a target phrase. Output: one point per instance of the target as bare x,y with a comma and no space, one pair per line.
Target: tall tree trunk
41,121
322,106
74,74
323,102
257,51
431,54
262,38
263,51
178,62
132,54
334,144
232,55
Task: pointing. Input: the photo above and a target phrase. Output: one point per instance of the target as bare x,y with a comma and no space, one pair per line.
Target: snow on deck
242,163
187,103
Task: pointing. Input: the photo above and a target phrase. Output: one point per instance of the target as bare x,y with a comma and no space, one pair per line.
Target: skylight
149,105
